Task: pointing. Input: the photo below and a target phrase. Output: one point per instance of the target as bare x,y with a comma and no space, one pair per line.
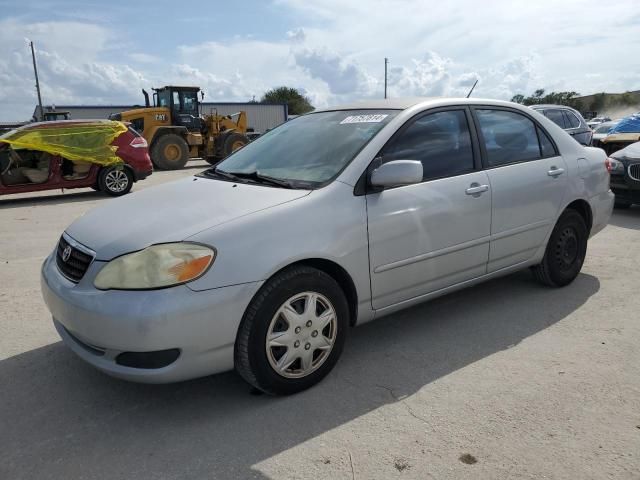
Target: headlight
157,266
615,165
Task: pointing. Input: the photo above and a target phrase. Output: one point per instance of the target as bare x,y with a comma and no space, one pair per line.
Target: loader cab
183,104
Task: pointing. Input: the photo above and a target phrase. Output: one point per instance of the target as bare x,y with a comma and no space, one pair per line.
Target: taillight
139,142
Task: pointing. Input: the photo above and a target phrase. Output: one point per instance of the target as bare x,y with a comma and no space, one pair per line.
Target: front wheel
565,251
293,331
115,181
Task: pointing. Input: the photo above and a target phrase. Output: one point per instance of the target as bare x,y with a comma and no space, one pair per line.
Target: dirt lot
504,380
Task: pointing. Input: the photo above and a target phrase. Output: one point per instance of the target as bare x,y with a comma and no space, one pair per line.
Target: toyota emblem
66,253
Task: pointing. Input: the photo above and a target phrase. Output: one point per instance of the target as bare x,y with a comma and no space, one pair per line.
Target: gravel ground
504,380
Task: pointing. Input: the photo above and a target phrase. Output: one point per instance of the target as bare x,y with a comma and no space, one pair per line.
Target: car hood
630,152
171,212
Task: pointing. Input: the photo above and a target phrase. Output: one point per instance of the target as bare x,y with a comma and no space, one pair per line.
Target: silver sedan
333,219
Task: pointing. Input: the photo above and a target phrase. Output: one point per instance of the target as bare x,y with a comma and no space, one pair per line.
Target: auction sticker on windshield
364,119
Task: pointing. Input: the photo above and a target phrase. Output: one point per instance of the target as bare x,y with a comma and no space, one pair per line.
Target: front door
434,234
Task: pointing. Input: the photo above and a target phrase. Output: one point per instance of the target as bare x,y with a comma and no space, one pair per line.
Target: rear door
528,180
433,234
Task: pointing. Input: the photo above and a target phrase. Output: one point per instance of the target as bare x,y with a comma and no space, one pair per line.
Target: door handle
476,189
555,171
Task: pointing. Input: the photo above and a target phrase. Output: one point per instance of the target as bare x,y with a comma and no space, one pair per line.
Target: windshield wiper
259,177
221,173
254,176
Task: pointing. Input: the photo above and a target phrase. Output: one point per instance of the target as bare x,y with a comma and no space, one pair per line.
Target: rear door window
508,137
556,117
441,141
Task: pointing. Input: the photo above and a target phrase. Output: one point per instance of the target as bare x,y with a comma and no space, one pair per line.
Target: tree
554,98
298,103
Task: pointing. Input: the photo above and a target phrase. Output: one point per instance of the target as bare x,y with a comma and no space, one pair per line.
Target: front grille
634,171
76,263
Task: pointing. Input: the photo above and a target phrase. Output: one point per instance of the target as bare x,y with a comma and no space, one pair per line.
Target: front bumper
626,188
100,325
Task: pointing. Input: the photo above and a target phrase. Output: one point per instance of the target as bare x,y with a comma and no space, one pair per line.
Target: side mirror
397,173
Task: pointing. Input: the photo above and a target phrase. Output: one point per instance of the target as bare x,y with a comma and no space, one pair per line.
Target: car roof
549,105
404,103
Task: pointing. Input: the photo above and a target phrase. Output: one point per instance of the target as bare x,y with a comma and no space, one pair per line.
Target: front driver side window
441,141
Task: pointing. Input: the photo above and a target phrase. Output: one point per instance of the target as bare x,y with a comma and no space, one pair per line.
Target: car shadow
57,199
62,419
629,218
82,195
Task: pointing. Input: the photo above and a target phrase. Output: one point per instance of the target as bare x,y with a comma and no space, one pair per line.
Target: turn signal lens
157,266
185,271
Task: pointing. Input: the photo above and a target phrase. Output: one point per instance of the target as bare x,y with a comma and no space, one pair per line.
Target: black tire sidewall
103,185
157,152
572,219
310,280
230,140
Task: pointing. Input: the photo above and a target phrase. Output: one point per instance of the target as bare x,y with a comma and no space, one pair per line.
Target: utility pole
386,61
35,70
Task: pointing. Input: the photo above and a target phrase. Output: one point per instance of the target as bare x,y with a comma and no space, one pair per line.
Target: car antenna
474,86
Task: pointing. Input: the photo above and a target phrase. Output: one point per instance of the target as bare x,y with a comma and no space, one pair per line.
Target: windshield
311,149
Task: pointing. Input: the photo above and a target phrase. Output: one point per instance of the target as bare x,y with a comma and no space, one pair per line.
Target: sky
97,52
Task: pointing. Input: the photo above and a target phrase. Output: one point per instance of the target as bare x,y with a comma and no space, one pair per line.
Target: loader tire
233,142
170,152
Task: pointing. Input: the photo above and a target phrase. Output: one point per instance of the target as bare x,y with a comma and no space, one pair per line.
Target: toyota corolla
331,220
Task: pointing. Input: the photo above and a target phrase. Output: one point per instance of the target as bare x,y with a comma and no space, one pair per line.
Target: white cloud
297,35
334,50
341,76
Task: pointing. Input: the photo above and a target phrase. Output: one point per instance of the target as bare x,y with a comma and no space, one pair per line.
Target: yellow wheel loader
176,129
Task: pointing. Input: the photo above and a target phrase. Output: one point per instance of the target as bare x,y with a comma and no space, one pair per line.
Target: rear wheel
115,181
293,331
170,152
565,251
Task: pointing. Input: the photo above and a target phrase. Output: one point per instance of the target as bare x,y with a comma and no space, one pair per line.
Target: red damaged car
102,154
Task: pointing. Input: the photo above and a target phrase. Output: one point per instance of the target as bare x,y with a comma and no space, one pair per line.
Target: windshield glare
311,149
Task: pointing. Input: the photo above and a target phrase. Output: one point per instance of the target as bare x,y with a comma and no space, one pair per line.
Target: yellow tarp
86,142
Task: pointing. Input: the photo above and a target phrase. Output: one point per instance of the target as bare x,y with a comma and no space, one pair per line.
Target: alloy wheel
116,181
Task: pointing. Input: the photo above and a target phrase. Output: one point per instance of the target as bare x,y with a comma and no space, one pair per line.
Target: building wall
260,117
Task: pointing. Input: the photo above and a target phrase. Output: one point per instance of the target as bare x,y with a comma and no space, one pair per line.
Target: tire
213,160
565,252
621,205
233,142
321,345
170,152
115,181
